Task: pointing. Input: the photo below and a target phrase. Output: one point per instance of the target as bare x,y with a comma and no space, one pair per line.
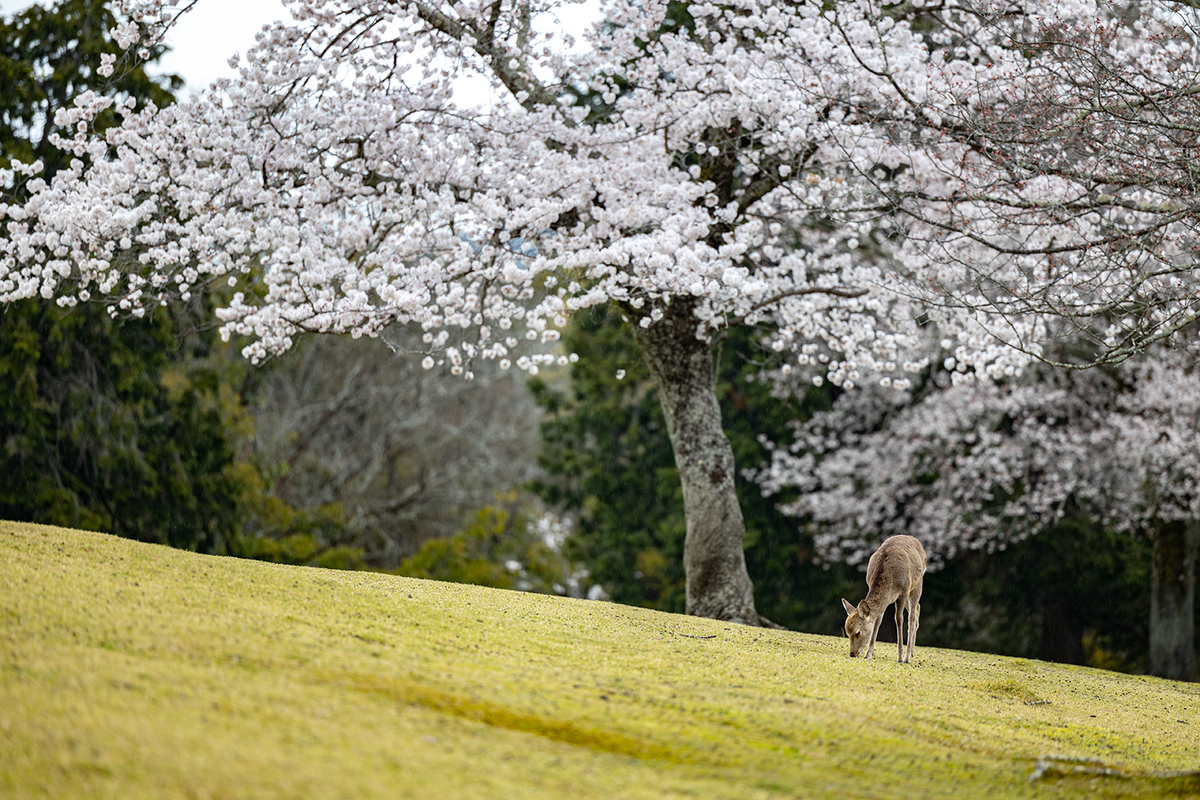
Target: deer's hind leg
901,602
914,620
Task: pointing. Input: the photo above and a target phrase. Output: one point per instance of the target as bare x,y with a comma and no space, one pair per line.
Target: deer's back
897,567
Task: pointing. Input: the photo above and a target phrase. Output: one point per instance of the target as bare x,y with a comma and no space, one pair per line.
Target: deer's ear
849,607
862,609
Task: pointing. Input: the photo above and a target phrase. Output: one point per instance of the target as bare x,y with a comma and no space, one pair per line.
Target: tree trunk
1172,597
714,563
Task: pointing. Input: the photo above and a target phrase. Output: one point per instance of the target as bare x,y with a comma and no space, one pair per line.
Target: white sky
214,30
210,33
207,36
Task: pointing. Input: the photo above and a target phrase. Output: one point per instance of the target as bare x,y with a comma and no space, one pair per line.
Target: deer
895,574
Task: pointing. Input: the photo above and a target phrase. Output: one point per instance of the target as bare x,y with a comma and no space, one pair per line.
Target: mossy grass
130,670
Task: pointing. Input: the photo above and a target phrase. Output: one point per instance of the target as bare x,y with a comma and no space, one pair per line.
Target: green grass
130,670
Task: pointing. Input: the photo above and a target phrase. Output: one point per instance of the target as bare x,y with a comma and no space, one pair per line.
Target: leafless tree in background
407,451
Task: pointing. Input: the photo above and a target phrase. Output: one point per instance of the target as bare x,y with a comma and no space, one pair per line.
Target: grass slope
130,670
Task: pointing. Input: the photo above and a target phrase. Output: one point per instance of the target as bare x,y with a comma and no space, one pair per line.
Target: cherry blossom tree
702,166
978,465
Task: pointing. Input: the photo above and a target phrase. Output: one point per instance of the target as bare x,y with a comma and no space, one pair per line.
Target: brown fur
895,574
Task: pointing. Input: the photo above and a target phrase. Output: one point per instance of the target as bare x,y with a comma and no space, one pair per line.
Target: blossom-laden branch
338,184
838,173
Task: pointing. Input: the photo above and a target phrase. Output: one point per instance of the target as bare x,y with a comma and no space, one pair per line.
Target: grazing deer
895,574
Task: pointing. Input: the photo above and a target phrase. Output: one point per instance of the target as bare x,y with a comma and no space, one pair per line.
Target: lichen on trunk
717,582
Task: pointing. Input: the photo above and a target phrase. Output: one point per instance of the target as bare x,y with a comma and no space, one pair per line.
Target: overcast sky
210,33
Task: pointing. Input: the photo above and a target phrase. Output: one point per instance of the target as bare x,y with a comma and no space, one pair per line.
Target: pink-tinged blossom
337,184
829,171
979,465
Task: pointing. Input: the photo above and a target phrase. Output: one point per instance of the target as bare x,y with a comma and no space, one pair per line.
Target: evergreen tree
126,426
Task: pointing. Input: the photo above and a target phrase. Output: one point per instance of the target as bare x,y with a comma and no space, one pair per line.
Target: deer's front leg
875,633
914,622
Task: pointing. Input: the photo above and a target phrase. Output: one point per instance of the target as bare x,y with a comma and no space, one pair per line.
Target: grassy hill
130,670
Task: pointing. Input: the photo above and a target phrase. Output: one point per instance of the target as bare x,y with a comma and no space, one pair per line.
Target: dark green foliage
610,461
114,426
499,548
1075,593
126,426
606,447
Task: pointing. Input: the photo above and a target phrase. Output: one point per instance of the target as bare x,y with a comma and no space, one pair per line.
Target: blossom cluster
966,466
739,160
833,172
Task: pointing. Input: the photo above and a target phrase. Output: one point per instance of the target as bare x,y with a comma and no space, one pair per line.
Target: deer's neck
877,599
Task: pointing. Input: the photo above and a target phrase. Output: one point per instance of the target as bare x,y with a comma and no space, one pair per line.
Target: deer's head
858,627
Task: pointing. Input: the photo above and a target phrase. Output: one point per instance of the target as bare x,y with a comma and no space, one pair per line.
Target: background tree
1075,593
121,426
979,466
397,454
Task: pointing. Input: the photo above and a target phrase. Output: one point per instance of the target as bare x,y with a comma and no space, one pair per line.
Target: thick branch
517,80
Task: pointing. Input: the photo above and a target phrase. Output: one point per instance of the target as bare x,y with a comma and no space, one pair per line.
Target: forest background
344,453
